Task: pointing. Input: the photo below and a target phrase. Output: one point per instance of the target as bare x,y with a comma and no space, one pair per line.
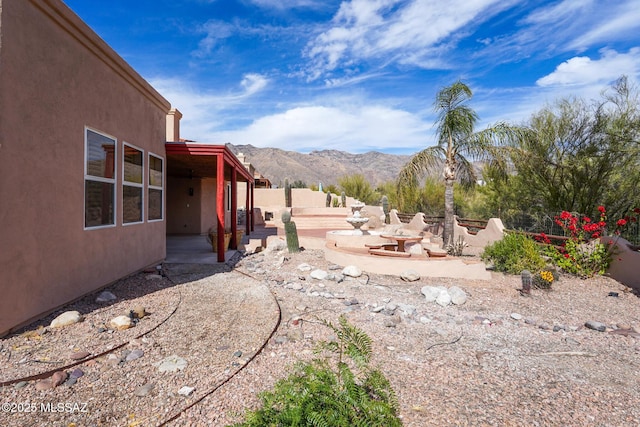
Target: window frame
94,178
160,188
140,185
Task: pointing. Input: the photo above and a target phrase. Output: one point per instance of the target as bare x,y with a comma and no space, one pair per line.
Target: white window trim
134,184
155,187
100,179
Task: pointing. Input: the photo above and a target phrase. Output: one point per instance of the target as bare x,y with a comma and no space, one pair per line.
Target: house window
156,188
132,185
228,207
99,180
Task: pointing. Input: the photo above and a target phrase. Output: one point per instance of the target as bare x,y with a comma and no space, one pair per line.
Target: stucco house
92,173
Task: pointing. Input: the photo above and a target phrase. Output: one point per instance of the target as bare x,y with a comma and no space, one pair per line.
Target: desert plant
583,254
456,248
544,279
291,232
327,392
343,198
335,202
385,209
287,193
328,200
513,253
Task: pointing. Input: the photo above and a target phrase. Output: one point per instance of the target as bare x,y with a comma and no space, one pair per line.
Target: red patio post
233,207
220,205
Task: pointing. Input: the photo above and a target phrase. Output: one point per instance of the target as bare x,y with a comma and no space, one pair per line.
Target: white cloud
203,111
618,20
409,31
566,26
351,129
215,32
582,70
288,4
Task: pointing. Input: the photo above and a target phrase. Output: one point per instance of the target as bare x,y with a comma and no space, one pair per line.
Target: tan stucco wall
56,77
625,262
184,212
272,199
192,214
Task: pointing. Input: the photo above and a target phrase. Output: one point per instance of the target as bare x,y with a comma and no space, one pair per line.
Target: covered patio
203,192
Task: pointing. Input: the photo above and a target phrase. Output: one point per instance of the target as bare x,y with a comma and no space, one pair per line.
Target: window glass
132,186
131,204
99,180
132,164
155,171
155,204
100,155
98,203
156,188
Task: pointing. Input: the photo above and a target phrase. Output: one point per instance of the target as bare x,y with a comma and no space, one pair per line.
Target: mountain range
324,166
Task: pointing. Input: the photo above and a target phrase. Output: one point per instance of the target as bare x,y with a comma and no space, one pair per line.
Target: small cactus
287,193
329,198
385,209
293,245
343,198
286,216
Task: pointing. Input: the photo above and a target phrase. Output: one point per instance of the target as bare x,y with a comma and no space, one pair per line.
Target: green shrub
514,253
321,393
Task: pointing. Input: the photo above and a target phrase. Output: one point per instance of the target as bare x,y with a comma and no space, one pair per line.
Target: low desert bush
514,253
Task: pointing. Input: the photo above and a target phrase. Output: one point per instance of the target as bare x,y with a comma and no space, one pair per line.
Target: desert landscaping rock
172,364
305,267
121,323
58,378
430,293
139,312
352,271
410,276
105,296
65,319
134,355
596,326
186,391
79,355
144,390
444,299
458,296
516,316
318,274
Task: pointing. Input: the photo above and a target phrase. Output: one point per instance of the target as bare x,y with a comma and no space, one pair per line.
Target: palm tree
457,143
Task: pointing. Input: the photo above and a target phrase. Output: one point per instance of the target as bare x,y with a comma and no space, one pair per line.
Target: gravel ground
499,359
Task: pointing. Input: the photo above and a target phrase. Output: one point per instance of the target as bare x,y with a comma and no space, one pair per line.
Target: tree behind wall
583,154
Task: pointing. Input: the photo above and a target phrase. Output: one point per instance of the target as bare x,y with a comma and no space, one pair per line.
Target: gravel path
500,359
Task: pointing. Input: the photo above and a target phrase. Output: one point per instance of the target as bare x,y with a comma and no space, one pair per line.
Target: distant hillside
325,166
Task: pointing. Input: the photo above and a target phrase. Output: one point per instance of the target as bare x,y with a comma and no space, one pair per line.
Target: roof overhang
195,160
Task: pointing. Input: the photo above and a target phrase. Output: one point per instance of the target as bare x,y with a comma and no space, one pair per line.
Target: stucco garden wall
56,78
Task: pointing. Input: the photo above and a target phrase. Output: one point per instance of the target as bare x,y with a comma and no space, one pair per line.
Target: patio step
334,222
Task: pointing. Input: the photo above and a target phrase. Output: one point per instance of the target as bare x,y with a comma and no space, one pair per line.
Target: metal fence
545,223
530,223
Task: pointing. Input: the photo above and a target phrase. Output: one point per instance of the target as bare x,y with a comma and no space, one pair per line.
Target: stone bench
383,252
385,246
436,253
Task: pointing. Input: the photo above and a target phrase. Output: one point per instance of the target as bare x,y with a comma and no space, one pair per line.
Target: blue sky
361,75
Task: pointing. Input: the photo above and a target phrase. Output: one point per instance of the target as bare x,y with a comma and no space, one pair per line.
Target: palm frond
426,160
